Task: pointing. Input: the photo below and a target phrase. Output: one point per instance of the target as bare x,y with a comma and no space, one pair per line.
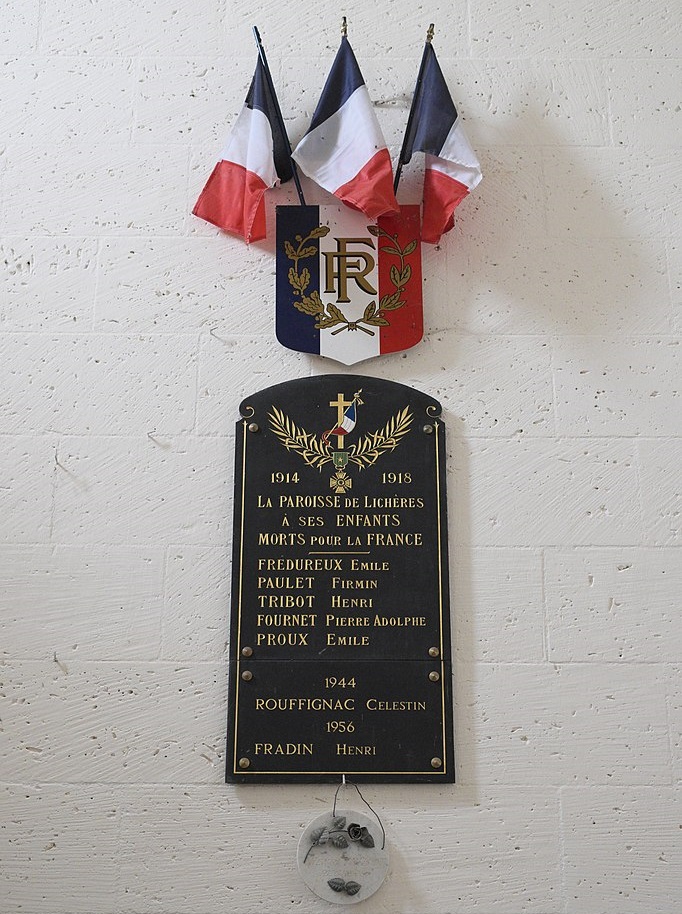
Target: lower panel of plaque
307,721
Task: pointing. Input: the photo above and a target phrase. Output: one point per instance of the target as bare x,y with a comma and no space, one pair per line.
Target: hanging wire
345,783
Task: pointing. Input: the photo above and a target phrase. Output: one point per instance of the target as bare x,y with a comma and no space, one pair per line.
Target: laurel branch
296,439
371,446
328,315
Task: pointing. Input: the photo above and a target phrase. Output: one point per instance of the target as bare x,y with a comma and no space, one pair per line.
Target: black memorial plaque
340,636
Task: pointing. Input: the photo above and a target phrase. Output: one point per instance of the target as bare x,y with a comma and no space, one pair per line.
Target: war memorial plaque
340,637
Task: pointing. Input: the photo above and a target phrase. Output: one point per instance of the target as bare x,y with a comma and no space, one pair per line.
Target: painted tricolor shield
348,289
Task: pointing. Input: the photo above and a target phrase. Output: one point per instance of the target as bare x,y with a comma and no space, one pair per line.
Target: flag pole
415,99
278,112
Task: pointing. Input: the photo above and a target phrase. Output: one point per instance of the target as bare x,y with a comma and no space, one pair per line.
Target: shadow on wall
547,246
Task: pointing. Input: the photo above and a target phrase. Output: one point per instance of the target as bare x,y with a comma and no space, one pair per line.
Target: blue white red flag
255,157
346,425
452,169
344,150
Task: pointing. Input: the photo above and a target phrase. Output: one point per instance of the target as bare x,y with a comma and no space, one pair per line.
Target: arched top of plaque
311,393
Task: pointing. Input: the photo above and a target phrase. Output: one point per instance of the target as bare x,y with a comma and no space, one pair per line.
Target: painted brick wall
129,333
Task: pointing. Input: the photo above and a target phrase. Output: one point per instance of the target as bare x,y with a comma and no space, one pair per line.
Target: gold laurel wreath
372,446
365,453
296,439
328,315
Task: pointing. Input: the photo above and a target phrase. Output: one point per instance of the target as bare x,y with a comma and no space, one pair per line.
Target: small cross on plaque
340,405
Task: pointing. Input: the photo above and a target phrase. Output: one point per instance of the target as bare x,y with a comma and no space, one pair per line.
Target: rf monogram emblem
344,264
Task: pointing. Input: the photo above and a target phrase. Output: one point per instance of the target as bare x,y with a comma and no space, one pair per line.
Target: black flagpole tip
429,34
344,27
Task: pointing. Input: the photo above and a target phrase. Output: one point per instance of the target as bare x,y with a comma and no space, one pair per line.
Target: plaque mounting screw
244,763
435,762
253,427
434,652
427,429
247,651
434,677
247,675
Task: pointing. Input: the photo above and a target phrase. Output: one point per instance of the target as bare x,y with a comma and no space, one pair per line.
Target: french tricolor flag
255,158
452,169
346,425
344,150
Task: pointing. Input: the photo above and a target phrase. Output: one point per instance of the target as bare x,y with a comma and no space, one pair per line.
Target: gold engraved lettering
336,640
305,704
354,584
367,520
400,621
351,602
285,601
394,539
307,520
323,540
286,620
281,539
347,749
283,639
283,749
346,621
373,704
309,501
362,565
284,582
392,501
301,564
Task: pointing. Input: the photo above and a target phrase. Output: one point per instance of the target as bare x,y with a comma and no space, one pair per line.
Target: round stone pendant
342,856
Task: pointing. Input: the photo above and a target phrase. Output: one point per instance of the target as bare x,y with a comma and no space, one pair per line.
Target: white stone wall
129,333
